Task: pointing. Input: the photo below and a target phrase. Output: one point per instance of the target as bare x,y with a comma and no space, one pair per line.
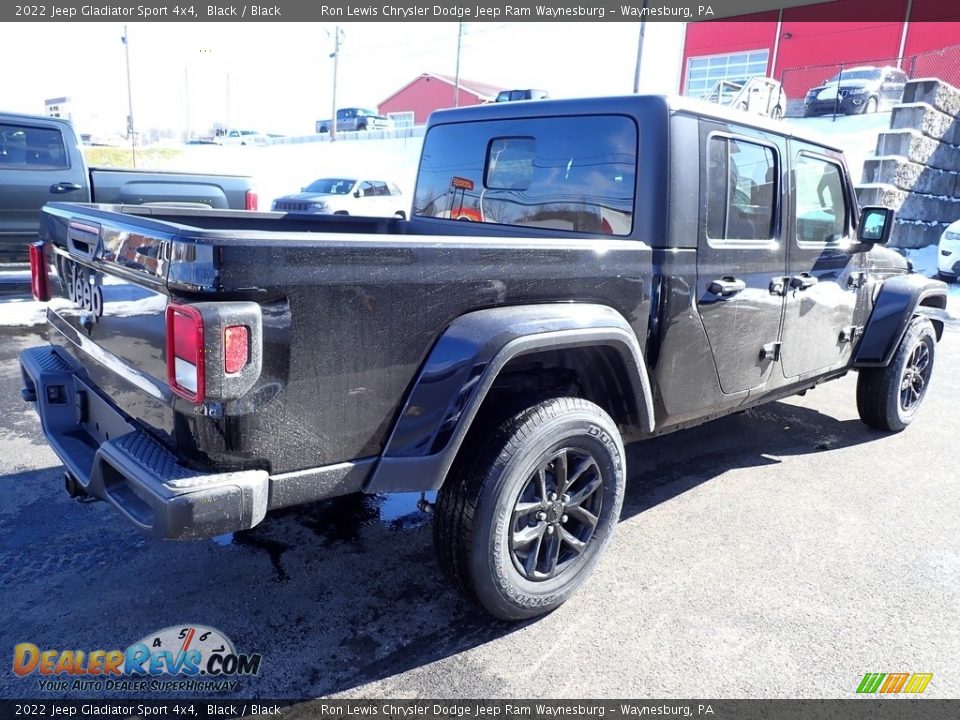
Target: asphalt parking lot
782,552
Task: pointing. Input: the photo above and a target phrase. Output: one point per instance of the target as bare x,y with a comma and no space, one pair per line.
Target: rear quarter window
573,174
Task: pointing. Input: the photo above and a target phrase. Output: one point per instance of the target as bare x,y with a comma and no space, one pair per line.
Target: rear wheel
529,506
777,113
888,398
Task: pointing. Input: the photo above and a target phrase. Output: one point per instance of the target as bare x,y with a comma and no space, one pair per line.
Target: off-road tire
880,391
475,520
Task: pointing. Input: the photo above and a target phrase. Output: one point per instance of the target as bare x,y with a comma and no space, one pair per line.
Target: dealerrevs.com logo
180,658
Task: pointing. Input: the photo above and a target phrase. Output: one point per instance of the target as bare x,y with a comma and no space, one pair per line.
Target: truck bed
350,308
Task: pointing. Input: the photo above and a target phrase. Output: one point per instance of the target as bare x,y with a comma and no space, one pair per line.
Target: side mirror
358,193
876,224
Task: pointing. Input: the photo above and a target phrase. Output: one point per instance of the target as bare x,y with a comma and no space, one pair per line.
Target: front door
34,169
740,257
824,269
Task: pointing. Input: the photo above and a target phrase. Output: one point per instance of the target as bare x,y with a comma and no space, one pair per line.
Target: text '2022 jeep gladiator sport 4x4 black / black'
635,265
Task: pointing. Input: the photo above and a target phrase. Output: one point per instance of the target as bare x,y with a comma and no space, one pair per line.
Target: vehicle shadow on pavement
664,467
334,595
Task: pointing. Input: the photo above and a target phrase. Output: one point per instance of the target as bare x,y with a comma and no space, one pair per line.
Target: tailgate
109,296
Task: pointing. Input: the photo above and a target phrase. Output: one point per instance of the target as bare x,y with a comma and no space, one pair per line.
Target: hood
845,83
883,258
309,197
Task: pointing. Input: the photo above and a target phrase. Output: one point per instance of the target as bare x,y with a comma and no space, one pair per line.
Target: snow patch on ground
22,312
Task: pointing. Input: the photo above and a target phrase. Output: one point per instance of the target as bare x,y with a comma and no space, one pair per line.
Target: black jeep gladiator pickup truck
628,267
41,161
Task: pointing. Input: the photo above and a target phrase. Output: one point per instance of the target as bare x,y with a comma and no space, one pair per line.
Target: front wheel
529,506
888,398
777,113
870,107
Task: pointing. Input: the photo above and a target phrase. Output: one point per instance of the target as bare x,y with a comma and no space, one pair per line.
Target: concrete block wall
916,168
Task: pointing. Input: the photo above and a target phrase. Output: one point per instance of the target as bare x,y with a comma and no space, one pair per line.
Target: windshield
868,74
330,186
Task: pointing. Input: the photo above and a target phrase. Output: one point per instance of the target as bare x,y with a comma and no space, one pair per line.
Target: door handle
803,281
64,187
726,287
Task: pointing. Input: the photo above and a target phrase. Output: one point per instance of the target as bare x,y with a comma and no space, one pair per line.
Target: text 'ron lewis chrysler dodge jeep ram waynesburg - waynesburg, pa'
627,267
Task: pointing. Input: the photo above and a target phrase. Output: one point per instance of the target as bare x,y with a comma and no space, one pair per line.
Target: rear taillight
252,201
39,278
185,360
236,348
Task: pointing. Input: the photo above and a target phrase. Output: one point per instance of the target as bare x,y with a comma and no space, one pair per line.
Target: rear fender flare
900,299
461,368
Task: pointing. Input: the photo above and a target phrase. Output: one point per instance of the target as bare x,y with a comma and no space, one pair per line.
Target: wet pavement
782,552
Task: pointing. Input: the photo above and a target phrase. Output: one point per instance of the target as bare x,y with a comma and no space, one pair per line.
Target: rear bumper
114,459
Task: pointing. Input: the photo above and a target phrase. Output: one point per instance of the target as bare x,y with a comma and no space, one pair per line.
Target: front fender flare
898,301
461,368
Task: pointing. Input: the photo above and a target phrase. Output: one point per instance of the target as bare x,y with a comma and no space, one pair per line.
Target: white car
948,257
346,196
240,137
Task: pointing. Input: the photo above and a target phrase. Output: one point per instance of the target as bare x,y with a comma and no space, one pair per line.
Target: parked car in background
41,161
948,255
511,95
855,91
346,196
239,137
759,95
350,119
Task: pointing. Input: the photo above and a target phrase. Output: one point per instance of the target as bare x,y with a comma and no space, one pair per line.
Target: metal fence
869,86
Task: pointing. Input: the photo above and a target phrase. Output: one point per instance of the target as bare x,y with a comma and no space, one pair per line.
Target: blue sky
280,74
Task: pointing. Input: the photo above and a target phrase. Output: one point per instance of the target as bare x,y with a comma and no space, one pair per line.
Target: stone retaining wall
916,169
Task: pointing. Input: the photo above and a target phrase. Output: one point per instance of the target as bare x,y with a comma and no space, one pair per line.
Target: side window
573,174
822,211
31,148
380,188
366,189
742,190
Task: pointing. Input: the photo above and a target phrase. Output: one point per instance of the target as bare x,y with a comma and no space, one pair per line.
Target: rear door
741,257
34,169
824,270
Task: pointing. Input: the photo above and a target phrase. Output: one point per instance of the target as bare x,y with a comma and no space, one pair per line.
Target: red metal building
432,91
797,44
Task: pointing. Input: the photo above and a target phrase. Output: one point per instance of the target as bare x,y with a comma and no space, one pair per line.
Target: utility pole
228,105
337,39
131,133
186,102
456,83
643,28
